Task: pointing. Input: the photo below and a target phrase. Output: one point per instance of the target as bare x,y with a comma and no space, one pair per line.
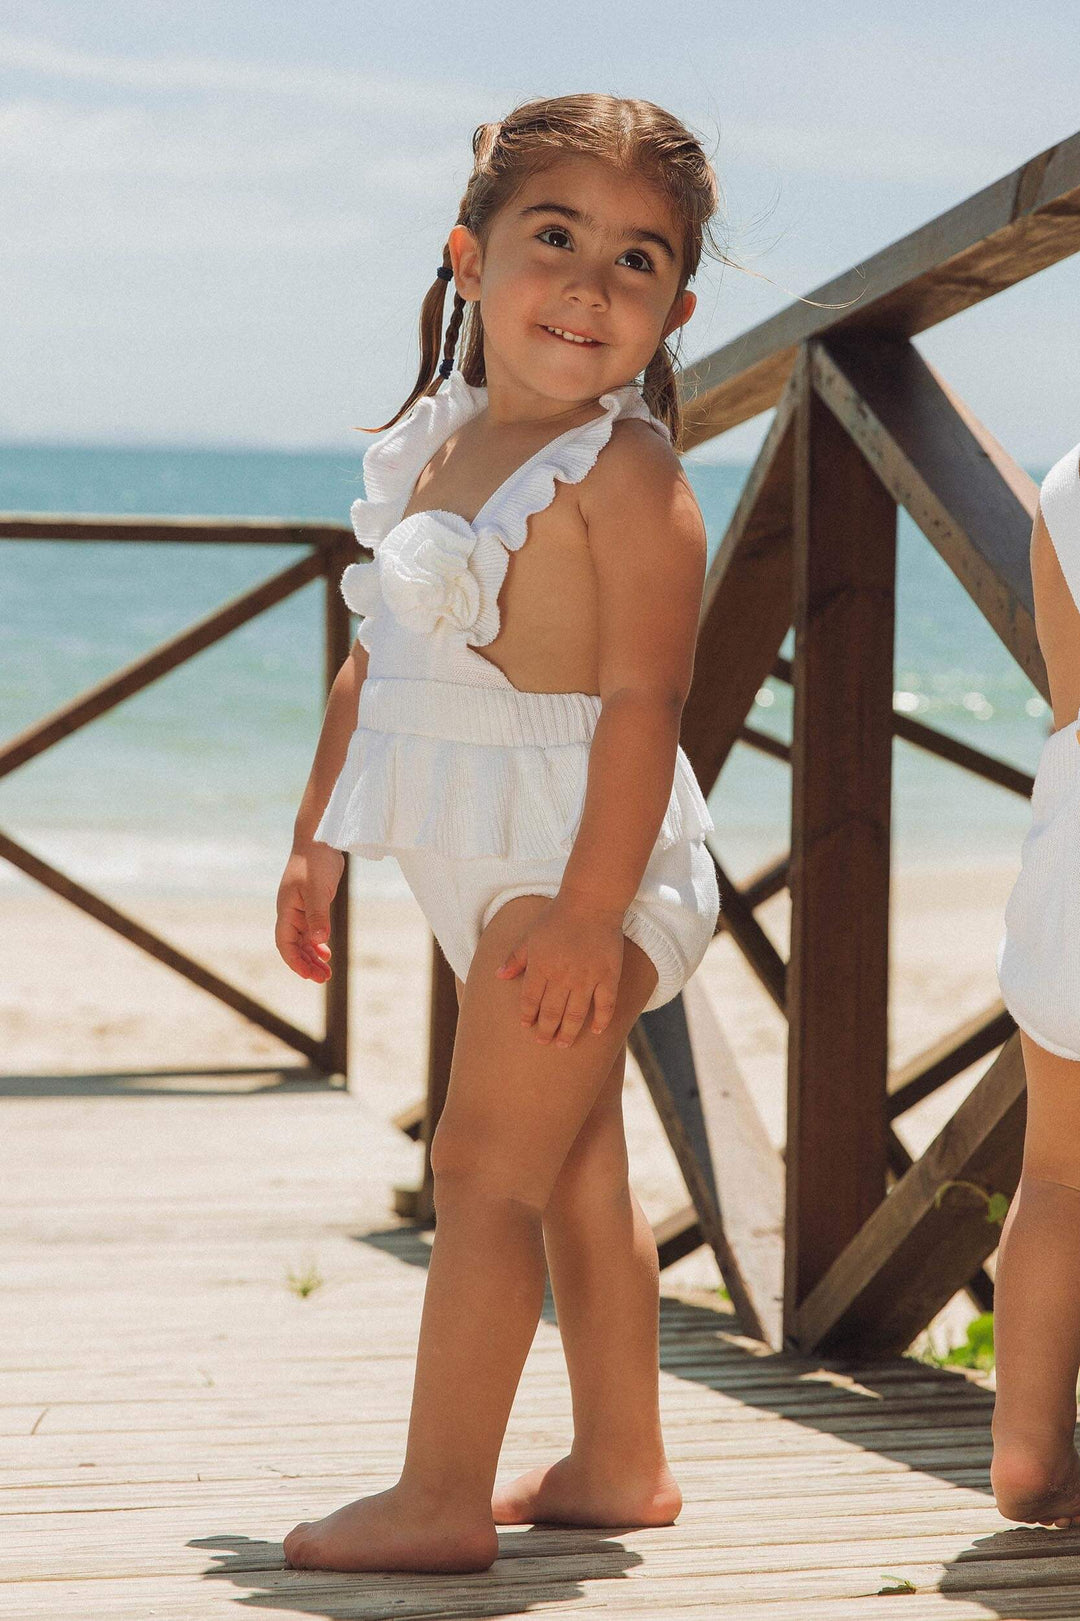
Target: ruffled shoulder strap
393,463
1059,499
567,459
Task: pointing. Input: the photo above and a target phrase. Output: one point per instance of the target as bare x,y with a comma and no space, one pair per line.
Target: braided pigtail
431,324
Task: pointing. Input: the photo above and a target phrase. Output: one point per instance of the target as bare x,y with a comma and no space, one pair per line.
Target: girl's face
586,249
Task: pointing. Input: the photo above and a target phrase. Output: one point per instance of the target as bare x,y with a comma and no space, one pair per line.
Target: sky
220,220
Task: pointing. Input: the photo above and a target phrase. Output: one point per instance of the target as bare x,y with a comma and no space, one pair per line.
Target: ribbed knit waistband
471,714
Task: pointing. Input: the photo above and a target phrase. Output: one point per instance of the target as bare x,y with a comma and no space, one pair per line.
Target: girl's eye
561,231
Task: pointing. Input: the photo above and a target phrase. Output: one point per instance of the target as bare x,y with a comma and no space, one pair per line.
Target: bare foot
569,1493
387,1531
1030,1484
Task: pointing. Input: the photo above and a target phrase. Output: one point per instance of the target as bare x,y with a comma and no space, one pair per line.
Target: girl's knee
469,1165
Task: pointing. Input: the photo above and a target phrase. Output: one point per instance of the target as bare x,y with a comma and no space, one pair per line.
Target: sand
77,1000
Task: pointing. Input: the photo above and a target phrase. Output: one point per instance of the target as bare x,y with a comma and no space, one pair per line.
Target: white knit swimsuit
476,787
1038,959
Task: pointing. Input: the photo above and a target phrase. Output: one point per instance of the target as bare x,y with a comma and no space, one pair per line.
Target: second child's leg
605,1277
513,1109
1035,1471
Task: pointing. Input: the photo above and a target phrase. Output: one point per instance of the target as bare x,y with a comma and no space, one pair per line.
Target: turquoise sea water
192,784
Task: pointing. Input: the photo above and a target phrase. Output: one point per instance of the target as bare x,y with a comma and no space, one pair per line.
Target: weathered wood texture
169,1407
837,974
734,1176
332,548
967,495
922,1243
1020,224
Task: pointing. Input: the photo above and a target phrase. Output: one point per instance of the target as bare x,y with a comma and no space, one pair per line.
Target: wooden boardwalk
170,1407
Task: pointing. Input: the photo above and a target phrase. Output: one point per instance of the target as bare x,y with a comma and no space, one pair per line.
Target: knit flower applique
428,570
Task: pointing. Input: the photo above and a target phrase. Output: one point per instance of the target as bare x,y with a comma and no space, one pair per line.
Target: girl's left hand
572,956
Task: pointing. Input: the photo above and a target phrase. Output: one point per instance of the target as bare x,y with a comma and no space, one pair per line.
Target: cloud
376,93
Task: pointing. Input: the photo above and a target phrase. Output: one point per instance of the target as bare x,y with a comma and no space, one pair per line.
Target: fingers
302,945
574,1016
603,1006
559,1011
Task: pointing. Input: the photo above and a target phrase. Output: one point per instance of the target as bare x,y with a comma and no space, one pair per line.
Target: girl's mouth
570,337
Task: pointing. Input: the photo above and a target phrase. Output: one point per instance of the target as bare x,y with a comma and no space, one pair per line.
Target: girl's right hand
308,885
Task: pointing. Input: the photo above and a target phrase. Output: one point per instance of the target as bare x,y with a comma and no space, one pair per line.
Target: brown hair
636,137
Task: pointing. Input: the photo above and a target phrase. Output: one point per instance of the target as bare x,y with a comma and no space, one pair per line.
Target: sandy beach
77,1000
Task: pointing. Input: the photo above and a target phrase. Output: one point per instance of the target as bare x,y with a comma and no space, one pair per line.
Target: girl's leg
1035,1471
605,1277
513,1109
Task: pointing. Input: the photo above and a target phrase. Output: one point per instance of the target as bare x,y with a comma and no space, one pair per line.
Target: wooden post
837,977
338,640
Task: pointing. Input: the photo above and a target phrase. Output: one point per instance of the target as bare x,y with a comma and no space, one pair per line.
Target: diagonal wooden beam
948,1057
746,605
732,1172
1016,226
967,495
913,1254
159,661
751,938
139,935
979,1288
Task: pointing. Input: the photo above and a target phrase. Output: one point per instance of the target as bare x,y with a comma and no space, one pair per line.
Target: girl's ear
467,257
681,312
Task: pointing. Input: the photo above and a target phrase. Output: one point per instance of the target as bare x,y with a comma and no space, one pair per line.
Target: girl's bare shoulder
638,474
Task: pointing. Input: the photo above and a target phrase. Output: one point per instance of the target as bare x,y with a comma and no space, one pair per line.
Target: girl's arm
1057,624
648,544
313,870
338,726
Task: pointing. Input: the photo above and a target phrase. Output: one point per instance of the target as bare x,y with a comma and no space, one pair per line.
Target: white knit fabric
1038,958
447,753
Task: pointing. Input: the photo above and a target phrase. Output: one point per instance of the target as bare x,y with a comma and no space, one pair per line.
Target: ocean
191,786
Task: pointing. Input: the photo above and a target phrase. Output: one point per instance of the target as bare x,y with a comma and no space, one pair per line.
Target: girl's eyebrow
638,232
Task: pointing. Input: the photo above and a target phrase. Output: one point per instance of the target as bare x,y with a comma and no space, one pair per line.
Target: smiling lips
572,337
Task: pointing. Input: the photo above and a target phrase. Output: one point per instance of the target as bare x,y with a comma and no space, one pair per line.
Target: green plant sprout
997,1205
306,1282
902,1584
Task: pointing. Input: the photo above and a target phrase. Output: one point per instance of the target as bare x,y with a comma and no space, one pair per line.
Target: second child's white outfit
476,787
1039,956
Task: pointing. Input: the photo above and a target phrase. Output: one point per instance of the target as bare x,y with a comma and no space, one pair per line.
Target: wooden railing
330,547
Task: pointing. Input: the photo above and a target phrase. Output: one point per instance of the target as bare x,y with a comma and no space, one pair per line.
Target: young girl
1036,1471
531,614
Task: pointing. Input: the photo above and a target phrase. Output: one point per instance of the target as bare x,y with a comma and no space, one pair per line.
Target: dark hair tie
445,368
445,272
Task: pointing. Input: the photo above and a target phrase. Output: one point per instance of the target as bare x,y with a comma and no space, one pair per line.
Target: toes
294,1541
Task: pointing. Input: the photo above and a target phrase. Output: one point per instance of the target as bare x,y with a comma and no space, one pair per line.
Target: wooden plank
96,700
161,950
979,1288
337,642
677,1235
731,1169
751,939
928,738
837,974
967,495
911,1256
1016,226
188,531
949,1056
746,605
